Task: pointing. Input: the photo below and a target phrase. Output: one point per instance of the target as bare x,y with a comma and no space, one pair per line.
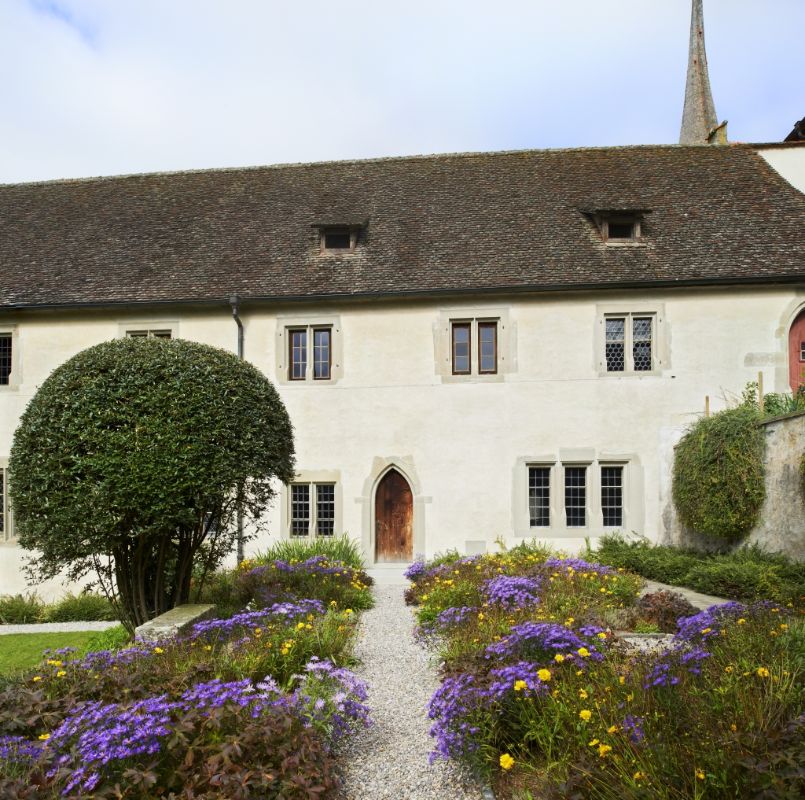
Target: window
6,524
620,227
299,368
629,343
539,497
461,338
339,239
312,515
576,496
149,333
5,358
612,496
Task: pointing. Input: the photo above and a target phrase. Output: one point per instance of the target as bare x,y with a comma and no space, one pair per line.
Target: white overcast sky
101,87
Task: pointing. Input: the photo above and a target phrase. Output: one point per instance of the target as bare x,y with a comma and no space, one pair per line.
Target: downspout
234,302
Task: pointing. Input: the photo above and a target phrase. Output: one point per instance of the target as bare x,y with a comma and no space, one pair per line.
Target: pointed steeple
699,120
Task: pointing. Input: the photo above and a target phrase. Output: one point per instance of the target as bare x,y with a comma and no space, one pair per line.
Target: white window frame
149,327
285,326
313,479
660,355
15,376
632,493
8,533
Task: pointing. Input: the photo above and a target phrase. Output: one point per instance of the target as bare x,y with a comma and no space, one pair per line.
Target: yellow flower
506,761
583,652
621,679
734,728
638,776
558,658
579,672
603,749
520,685
762,672
742,621
629,697
601,635
706,630
348,611
61,673
700,774
480,615
208,647
544,674
585,714
569,621
593,742
783,627
583,694
54,663
729,669
612,729
37,678
300,626
43,737
158,650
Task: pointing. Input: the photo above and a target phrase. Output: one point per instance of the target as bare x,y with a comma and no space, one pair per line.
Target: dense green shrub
748,573
79,608
133,459
20,609
718,475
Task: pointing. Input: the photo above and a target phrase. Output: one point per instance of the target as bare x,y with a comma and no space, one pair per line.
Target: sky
105,87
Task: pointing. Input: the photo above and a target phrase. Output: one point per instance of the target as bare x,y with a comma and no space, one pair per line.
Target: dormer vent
340,238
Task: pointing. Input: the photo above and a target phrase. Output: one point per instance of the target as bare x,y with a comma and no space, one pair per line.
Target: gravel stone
390,759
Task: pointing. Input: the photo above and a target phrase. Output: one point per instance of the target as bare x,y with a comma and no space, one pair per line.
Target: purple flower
540,641
579,565
512,592
16,750
415,571
634,727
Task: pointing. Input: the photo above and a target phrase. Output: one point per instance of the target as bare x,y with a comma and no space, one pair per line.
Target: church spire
699,121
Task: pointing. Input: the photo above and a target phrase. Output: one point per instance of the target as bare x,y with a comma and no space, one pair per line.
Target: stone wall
782,519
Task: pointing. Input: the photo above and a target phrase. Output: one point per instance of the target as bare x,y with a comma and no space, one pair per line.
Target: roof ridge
345,161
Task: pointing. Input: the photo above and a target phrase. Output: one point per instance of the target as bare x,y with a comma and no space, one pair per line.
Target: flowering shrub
538,696
242,707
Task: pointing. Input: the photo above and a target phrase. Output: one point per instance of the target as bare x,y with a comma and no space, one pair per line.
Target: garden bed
540,695
239,707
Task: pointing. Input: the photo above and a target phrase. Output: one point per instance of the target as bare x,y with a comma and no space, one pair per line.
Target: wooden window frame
291,361
565,487
602,465
454,325
621,219
493,325
8,336
149,333
549,469
312,528
314,329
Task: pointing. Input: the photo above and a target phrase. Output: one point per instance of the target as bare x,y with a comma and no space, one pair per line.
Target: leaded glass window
576,496
615,344
641,343
612,495
539,497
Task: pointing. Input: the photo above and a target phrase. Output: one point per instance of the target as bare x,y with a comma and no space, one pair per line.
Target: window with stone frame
6,358
310,353
629,344
312,509
480,336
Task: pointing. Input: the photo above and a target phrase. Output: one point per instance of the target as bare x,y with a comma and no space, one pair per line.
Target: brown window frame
291,332
482,324
321,329
5,376
149,333
634,222
453,327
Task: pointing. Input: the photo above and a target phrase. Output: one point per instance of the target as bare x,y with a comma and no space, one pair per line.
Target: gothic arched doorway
796,352
394,519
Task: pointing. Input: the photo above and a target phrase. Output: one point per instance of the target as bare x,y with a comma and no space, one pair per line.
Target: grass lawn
19,651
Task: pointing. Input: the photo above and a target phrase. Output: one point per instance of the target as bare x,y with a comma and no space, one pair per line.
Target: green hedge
718,480
20,609
747,574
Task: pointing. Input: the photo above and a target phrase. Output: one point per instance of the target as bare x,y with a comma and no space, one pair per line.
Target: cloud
102,87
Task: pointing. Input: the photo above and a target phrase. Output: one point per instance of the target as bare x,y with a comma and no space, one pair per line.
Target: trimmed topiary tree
132,460
718,481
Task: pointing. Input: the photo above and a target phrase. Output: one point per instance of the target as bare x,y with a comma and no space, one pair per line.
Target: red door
796,352
394,514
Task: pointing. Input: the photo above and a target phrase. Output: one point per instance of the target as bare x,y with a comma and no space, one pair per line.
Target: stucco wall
789,161
464,444
782,520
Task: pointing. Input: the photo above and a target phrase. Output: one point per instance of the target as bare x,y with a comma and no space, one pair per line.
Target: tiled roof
451,223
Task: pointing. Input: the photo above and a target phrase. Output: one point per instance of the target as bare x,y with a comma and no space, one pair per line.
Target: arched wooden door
394,519
796,352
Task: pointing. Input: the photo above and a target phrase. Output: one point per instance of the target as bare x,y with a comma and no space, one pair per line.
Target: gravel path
57,627
390,759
